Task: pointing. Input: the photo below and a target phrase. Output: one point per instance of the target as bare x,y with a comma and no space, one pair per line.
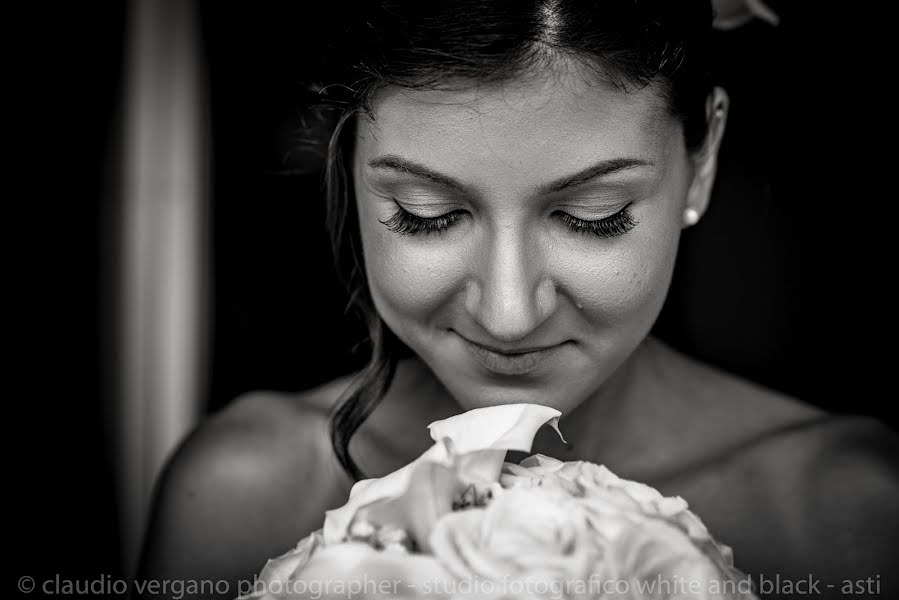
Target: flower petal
337,571
475,441
364,492
429,495
505,426
277,572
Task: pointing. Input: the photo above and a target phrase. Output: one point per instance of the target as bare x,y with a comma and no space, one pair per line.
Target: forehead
526,130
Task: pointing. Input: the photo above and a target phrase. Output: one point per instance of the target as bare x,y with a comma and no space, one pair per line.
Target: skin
508,274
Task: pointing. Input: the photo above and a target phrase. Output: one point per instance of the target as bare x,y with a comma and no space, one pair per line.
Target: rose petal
278,571
454,543
336,571
542,463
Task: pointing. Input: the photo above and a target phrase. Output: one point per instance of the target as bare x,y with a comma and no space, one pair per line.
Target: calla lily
469,450
427,497
506,426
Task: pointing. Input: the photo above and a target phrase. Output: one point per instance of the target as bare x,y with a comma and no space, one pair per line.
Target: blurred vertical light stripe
164,252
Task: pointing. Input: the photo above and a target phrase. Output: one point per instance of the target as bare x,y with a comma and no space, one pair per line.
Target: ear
705,160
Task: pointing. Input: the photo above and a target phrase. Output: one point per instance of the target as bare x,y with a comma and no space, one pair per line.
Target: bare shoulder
246,485
820,487
822,492
739,408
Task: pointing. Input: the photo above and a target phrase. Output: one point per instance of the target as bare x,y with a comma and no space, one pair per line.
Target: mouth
517,361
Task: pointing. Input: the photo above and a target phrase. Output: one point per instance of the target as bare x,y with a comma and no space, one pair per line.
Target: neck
590,429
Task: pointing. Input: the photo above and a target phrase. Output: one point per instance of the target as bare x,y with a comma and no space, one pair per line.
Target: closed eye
607,227
405,223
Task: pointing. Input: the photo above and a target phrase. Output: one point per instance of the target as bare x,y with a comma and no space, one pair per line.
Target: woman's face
521,238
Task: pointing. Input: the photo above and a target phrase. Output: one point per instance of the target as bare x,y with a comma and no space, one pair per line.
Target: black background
786,281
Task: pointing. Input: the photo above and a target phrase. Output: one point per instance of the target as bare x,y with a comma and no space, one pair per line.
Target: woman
508,183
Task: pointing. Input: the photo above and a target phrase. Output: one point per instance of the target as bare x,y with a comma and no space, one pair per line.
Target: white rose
648,536
313,571
524,543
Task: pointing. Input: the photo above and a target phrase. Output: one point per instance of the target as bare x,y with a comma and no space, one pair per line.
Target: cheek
625,284
409,277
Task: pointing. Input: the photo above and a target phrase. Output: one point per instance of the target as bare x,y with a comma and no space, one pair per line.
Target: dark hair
442,44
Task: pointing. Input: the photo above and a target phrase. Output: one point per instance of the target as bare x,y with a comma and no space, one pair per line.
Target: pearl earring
691,217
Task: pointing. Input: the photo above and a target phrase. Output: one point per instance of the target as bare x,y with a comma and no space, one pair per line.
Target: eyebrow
600,169
401,165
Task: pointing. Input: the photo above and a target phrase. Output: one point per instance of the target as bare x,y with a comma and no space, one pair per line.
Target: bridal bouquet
459,522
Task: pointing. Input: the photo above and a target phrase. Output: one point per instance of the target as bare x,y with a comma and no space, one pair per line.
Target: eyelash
405,223
607,227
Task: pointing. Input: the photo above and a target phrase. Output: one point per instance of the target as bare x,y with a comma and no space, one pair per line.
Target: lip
518,362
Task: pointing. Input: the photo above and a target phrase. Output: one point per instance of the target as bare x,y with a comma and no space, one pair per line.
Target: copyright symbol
26,584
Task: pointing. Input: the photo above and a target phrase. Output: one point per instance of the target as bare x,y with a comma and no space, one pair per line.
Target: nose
510,293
